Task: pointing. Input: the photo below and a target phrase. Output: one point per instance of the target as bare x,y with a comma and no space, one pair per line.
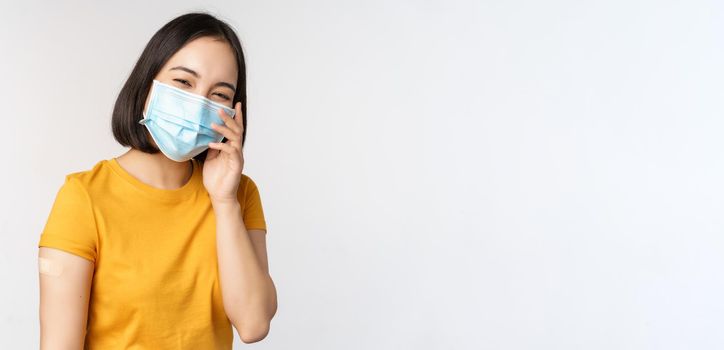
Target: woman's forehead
210,58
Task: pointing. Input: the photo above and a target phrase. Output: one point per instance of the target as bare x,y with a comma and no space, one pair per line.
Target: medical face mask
180,122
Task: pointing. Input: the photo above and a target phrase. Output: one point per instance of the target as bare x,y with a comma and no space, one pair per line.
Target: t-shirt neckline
190,187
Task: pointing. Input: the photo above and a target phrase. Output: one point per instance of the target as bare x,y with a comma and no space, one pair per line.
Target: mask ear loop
151,93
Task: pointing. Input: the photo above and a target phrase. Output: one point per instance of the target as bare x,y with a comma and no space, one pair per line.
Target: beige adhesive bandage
50,267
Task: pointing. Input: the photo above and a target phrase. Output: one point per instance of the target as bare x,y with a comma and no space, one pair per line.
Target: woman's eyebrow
223,83
192,72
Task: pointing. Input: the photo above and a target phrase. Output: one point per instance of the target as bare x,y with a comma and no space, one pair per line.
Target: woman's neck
156,170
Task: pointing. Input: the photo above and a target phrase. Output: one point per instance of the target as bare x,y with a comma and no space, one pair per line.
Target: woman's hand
225,160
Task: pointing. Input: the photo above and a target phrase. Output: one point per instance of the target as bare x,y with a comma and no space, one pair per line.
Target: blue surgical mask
180,122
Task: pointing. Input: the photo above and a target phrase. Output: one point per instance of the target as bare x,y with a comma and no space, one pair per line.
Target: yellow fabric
155,284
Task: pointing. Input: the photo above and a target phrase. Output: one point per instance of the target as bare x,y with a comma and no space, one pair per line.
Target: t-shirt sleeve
253,211
71,225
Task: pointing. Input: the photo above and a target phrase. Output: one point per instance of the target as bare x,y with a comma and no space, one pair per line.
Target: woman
163,247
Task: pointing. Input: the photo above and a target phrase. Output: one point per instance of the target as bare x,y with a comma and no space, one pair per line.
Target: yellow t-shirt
156,283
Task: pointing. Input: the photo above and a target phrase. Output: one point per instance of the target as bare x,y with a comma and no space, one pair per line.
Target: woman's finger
239,118
224,130
240,122
224,147
228,121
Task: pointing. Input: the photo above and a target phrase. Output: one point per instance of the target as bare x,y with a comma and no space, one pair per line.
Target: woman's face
205,66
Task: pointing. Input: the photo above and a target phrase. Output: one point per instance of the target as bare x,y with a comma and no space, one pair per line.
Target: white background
435,174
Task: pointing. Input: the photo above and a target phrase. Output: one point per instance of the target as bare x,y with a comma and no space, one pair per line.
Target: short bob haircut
128,109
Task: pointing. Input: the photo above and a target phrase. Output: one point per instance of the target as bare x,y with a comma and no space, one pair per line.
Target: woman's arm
65,282
248,291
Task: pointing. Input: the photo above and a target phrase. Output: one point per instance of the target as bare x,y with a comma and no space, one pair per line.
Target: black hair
129,105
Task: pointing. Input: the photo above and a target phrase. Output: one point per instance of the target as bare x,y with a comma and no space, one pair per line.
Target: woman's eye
183,81
222,96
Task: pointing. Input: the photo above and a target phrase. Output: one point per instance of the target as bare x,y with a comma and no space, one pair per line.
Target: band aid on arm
50,267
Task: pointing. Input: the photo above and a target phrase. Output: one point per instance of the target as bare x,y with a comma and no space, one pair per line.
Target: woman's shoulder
90,177
247,183
248,189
